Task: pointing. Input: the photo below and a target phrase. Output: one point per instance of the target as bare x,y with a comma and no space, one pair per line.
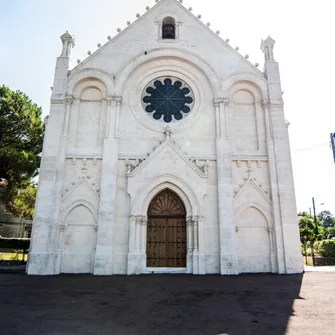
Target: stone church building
166,151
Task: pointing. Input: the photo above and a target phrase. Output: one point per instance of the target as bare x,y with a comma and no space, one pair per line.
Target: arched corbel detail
76,78
176,53
259,82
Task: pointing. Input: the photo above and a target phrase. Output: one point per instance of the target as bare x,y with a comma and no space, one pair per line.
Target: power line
311,148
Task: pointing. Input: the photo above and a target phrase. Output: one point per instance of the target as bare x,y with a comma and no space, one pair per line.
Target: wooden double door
166,232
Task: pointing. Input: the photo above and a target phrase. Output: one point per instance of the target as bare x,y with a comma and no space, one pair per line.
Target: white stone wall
105,158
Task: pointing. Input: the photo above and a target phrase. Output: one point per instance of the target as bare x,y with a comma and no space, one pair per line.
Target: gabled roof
151,10
251,182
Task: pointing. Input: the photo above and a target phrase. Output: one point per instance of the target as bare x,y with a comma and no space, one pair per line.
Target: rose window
168,99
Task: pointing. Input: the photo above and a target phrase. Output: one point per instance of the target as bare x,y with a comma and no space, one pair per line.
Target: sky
303,30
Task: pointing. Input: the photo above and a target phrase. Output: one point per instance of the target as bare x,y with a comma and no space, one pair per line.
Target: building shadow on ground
152,304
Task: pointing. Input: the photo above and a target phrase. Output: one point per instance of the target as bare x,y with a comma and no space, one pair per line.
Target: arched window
169,28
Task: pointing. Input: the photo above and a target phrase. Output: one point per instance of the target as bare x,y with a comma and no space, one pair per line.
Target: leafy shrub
14,243
327,248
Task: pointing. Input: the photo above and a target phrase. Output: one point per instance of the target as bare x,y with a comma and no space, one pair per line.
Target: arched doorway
166,232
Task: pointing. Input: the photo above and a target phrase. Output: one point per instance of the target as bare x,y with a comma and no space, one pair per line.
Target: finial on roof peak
267,47
270,41
68,42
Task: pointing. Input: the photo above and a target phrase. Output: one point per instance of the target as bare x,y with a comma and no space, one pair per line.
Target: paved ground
168,304
320,268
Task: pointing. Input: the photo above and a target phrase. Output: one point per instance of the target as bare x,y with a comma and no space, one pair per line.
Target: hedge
14,243
326,248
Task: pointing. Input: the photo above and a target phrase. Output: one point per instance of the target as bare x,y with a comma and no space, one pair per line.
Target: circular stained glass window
168,99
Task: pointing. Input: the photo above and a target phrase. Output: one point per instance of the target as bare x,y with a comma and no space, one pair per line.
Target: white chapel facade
166,151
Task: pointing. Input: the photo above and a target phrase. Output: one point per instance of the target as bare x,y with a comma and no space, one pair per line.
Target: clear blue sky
304,31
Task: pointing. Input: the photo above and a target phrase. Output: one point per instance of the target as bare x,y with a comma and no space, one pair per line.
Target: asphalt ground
168,304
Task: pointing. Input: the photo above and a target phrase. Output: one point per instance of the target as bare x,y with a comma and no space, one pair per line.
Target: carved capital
69,99
217,102
266,103
195,220
226,102
62,227
144,220
117,99
179,23
109,101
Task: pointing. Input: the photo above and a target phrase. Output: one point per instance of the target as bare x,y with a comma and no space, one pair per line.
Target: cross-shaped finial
84,171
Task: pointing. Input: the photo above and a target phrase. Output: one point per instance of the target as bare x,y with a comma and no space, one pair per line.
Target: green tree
327,219
21,139
22,204
309,232
330,232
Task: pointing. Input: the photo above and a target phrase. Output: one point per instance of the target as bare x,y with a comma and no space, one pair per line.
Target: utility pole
332,143
316,231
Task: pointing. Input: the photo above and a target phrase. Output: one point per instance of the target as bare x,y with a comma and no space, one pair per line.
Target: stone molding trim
258,188
258,81
177,53
133,165
83,202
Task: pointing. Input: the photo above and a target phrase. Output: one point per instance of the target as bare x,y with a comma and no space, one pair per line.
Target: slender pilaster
228,254
195,222
138,234
106,218
69,102
274,192
118,101
190,245
178,25
109,113
143,256
135,236
160,31
62,228
272,250
201,245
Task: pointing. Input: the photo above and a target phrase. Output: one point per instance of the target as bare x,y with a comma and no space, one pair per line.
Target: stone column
195,245
160,31
62,228
69,102
109,115
177,32
138,234
143,256
201,245
134,245
228,254
118,101
190,245
272,252
105,237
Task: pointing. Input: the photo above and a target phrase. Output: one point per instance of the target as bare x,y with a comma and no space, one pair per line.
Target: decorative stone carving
166,203
62,227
